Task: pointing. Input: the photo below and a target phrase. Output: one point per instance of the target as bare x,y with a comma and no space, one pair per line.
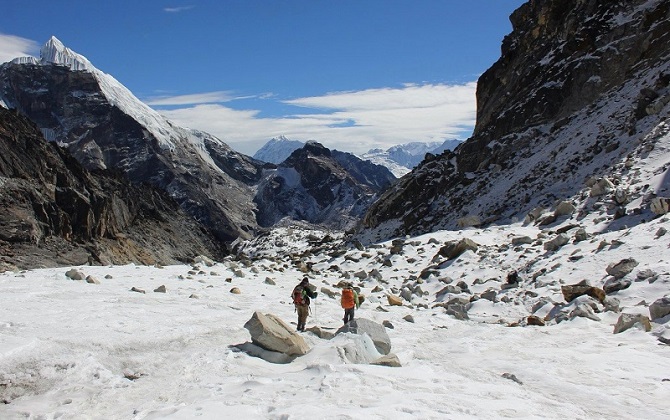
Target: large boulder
627,321
622,268
453,249
271,333
570,292
375,331
659,308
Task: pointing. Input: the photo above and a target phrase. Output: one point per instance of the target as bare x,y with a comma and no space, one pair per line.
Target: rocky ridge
58,213
319,186
104,126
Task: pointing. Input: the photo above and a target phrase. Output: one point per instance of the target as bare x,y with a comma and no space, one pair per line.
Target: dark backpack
299,296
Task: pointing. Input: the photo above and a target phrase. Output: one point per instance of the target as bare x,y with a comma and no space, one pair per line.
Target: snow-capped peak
56,53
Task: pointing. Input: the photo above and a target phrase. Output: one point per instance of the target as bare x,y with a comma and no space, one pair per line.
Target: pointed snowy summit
56,53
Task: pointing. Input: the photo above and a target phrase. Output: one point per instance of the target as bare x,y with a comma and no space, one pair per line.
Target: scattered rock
512,377
614,285
135,289
160,289
201,259
453,249
535,320
572,292
394,300
660,205
388,324
408,318
390,360
601,187
659,308
92,280
235,291
375,331
269,281
522,240
271,333
75,274
627,321
622,268
564,208
557,242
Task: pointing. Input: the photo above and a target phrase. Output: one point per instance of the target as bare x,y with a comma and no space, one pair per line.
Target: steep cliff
580,91
56,212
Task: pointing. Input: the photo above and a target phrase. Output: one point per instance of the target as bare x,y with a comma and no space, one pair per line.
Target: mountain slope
104,126
320,186
580,93
401,159
56,212
277,150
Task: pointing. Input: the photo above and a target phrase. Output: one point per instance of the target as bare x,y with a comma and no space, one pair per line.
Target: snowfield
70,349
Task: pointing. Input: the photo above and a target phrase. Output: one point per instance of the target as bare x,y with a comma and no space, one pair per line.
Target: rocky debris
390,360
557,242
92,280
137,290
660,205
160,289
535,320
202,259
660,308
616,284
512,377
622,268
75,274
235,291
571,292
627,321
321,332
394,300
271,333
453,249
375,331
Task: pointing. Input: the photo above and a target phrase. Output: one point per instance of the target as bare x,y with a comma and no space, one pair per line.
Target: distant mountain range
399,159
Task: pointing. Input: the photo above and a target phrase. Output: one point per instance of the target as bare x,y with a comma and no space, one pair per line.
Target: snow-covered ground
74,350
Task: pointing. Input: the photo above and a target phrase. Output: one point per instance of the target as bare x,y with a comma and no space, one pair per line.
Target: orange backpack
348,298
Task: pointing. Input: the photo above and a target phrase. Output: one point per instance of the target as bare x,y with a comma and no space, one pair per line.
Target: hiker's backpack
298,296
348,299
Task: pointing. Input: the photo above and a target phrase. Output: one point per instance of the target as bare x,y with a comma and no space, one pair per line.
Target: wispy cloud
178,9
347,121
192,99
12,46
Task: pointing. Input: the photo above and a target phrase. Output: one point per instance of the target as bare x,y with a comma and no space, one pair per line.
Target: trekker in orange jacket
349,302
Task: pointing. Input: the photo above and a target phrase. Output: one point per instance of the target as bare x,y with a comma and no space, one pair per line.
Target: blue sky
352,74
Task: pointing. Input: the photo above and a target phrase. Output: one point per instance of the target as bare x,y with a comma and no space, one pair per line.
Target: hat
304,280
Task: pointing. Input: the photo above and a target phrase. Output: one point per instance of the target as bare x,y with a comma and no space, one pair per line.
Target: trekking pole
315,320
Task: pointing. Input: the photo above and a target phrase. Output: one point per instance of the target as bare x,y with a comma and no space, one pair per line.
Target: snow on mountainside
402,158
277,150
54,52
578,99
105,126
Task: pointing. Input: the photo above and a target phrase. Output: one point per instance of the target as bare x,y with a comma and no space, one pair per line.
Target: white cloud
347,121
178,9
12,46
192,99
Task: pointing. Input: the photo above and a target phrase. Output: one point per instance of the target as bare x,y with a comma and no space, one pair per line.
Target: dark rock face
56,212
318,185
579,87
207,178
